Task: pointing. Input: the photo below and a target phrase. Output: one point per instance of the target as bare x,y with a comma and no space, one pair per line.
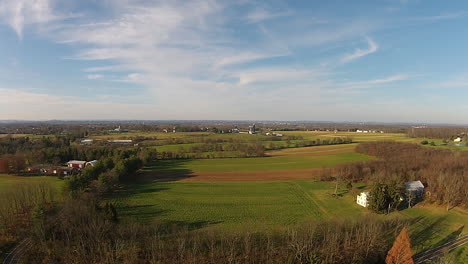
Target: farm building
415,188
252,129
120,141
79,164
3,166
87,142
457,140
118,130
91,163
362,199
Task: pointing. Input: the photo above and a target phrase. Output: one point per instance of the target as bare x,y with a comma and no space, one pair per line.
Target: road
440,250
17,252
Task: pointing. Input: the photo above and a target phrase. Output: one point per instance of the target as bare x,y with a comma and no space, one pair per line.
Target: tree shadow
429,230
454,235
152,179
165,171
185,225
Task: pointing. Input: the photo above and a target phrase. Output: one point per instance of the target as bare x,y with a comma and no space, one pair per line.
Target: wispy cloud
261,14
360,85
94,76
444,16
19,13
358,53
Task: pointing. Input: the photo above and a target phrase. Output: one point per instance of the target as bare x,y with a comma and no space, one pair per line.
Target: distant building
363,199
91,163
252,129
120,141
119,130
79,164
3,166
235,130
458,140
87,142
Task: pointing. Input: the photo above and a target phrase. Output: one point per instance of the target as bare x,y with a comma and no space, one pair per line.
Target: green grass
261,163
435,226
9,181
235,205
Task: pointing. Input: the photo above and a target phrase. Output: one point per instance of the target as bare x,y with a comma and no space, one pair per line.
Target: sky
375,60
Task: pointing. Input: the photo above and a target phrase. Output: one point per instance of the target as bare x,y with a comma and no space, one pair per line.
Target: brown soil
314,151
216,176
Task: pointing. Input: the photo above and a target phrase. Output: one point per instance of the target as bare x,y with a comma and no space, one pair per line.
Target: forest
444,173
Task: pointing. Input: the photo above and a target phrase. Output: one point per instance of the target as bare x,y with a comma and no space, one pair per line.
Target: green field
262,163
234,205
9,181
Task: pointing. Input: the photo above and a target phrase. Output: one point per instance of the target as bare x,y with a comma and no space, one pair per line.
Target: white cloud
19,13
192,63
360,85
94,76
445,16
358,53
261,14
12,102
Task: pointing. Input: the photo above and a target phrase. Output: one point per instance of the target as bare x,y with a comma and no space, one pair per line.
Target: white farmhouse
458,140
362,199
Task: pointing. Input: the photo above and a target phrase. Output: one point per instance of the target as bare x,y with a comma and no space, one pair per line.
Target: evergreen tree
400,253
379,198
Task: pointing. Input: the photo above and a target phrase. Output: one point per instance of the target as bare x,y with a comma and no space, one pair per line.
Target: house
252,129
79,164
91,163
87,142
414,188
268,134
118,130
121,141
457,140
363,199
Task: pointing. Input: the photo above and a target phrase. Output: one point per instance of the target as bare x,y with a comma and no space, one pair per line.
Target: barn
3,166
79,164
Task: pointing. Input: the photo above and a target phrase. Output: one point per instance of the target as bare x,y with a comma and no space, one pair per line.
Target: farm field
235,205
287,164
432,226
238,206
9,181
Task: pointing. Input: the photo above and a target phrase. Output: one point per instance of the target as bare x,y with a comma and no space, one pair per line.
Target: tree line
447,133
444,173
87,230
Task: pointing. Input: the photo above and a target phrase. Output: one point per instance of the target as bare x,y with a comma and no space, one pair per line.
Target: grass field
9,181
286,164
235,205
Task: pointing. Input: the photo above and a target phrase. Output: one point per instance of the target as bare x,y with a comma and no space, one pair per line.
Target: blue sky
376,60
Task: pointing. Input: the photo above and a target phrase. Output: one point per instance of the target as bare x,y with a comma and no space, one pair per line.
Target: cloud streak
358,53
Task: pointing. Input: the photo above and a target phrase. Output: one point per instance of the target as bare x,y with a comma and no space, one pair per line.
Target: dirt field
314,151
220,176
